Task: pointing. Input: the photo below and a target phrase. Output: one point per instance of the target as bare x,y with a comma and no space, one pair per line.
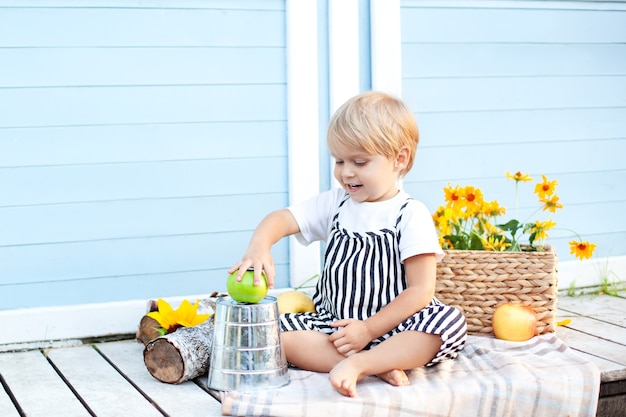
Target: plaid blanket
491,377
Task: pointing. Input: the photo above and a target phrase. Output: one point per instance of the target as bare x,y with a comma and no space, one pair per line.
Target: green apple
294,302
245,291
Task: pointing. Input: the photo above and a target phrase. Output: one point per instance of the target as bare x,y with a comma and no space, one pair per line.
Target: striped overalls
363,272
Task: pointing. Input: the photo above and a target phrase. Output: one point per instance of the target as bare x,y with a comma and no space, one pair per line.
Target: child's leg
310,350
406,350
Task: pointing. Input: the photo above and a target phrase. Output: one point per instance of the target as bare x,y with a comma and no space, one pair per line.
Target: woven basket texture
477,282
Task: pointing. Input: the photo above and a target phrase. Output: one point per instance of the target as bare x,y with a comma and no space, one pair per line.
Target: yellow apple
294,302
245,291
514,322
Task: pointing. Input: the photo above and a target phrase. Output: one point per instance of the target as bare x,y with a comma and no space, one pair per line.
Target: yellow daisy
546,187
186,315
551,203
518,176
582,250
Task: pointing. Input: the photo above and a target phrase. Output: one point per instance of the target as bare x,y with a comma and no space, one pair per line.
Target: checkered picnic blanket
491,377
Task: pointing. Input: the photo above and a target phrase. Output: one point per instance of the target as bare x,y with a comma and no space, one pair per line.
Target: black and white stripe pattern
363,272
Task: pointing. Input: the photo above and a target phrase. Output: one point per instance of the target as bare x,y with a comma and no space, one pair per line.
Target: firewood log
147,330
182,355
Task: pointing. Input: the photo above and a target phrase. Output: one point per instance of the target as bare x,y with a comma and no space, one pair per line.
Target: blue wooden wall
141,142
537,87
139,146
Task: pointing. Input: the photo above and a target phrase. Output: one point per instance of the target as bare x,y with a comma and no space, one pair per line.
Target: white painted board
182,400
37,387
100,385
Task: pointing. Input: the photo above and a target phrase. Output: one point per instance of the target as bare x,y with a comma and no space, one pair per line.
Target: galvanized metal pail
246,353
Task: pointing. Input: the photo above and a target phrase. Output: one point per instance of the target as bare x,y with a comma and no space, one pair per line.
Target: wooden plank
146,143
7,409
111,258
601,307
604,349
99,384
510,25
592,303
511,93
128,357
136,287
430,157
598,329
35,107
159,179
557,125
162,4
477,60
131,218
107,27
610,371
569,188
29,375
142,66
612,406
595,327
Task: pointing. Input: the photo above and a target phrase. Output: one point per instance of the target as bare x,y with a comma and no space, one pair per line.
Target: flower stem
305,282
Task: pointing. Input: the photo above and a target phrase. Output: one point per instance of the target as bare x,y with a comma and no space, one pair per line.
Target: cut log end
164,362
148,330
182,355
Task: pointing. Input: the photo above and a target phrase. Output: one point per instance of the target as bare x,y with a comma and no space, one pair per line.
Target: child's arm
272,228
421,271
421,276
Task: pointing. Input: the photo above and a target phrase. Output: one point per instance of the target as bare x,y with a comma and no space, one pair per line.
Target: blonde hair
375,123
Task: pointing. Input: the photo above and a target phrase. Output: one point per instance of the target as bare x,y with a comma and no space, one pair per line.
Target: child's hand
258,263
352,338
273,227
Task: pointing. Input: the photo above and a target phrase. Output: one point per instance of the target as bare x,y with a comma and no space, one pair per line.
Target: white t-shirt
417,231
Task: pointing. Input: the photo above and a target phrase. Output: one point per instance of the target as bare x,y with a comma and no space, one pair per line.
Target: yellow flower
492,243
473,198
472,194
489,228
445,243
186,315
545,188
451,195
443,218
540,229
467,222
551,203
518,176
493,209
582,250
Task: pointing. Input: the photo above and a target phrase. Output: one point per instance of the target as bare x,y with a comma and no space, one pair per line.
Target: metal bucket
246,353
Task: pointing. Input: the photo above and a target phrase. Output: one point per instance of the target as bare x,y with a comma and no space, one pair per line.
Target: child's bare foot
344,377
395,377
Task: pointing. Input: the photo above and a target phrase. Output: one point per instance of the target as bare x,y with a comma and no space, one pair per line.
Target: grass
610,284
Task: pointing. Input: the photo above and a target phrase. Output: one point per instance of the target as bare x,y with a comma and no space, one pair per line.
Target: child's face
367,177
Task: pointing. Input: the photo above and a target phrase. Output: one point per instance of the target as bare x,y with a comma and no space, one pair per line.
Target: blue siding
141,142
490,95
139,146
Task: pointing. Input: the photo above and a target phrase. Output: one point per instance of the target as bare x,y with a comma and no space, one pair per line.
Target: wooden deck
110,379
598,331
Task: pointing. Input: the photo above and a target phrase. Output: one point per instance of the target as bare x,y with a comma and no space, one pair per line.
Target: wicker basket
476,282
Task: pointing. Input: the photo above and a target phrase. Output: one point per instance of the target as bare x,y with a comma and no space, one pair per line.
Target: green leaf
475,242
458,241
510,226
